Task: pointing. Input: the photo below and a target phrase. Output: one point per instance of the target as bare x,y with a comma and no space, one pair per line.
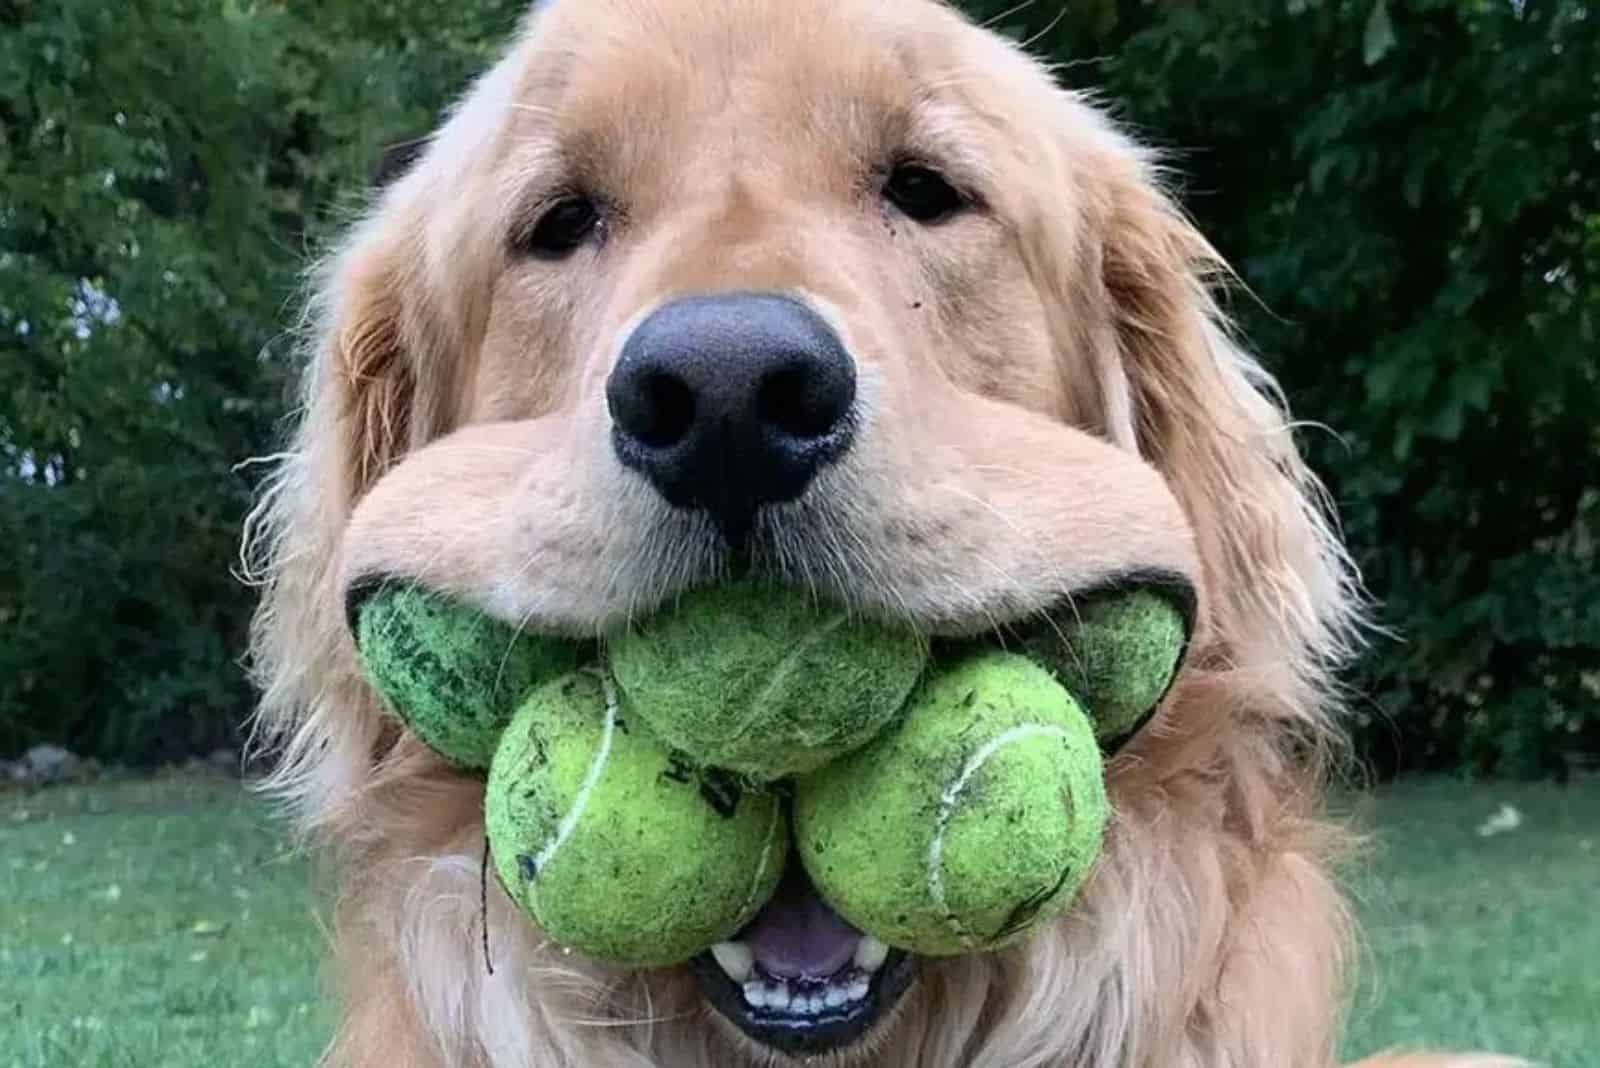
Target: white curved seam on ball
952,794
786,667
766,855
569,822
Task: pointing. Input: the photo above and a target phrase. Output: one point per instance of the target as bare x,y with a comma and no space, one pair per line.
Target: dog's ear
392,324
1214,422
1154,367
368,371
358,416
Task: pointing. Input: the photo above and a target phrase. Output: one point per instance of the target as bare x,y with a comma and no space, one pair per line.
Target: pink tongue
797,935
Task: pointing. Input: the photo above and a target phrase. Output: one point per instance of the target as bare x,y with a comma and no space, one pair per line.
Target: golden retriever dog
849,295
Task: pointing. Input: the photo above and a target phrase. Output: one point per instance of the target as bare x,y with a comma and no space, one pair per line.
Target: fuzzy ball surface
762,680
451,673
615,846
969,824
1116,654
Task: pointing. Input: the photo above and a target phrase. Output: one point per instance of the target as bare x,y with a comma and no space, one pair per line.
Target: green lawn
162,923
1481,943
157,924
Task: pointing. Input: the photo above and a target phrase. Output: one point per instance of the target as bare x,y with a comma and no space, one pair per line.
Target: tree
166,165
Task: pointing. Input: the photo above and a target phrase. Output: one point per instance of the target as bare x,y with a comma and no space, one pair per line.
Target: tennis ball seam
951,795
591,777
754,896
786,667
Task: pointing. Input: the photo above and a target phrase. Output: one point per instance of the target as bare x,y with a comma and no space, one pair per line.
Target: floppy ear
368,375
358,416
386,345
1213,420
1169,380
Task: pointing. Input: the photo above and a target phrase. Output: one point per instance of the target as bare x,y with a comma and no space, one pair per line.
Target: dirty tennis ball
615,846
968,824
451,673
762,680
1116,654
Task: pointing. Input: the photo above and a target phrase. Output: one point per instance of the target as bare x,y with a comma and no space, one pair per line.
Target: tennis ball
966,825
452,674
615,846
762,680
1116,654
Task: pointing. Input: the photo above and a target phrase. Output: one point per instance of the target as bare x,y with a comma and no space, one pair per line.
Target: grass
162,922
1481,942
153,923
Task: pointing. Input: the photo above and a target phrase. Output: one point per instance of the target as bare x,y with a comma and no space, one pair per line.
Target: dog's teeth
779,996
735,959
870,954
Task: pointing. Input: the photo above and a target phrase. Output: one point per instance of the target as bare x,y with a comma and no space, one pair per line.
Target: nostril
667,410
653,406
800,402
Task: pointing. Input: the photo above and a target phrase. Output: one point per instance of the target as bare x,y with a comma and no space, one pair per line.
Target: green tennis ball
1116,654
762,680
452,674
967,825
615,846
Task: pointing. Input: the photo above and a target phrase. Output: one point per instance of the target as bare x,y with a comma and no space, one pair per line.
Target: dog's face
769,281
846,295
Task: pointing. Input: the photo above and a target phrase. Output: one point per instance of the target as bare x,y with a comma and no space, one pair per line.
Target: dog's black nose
729,401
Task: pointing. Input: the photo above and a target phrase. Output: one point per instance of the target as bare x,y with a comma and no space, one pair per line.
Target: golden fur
1053,398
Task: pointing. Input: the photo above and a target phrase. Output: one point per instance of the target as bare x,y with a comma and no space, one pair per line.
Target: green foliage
163,165
1408,186
1410,190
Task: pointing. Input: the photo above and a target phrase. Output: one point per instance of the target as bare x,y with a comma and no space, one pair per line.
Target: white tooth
858,989
835,996
778,997
755,994
814,1006
870,954
735,959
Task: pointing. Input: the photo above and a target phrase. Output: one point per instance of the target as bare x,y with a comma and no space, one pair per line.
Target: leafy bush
1408,188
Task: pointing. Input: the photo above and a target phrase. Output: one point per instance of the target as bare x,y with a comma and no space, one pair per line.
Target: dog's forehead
674,79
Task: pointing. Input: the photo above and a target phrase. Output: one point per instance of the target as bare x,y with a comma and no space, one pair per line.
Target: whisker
1015,9
985,505
1053,23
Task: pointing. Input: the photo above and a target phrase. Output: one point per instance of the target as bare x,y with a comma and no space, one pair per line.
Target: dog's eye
565,225
922,193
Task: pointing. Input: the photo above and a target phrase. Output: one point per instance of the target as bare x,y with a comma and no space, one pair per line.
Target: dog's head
848,295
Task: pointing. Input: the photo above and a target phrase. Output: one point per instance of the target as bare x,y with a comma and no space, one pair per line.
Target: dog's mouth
799,978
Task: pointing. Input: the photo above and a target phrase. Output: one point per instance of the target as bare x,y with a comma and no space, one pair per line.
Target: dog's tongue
797,935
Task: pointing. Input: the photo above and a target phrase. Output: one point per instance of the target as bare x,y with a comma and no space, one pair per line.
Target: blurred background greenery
1408,189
